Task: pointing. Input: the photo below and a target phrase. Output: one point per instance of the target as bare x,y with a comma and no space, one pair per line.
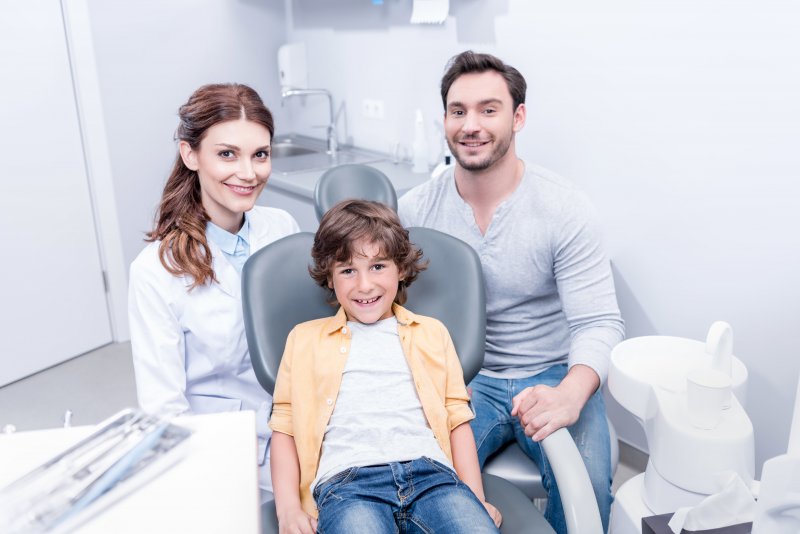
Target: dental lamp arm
577,497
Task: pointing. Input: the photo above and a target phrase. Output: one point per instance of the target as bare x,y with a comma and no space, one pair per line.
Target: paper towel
429,11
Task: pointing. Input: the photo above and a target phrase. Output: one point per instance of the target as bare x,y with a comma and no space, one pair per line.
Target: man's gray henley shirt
549,290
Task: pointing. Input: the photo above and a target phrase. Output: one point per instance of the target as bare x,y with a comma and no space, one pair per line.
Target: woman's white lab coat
189,347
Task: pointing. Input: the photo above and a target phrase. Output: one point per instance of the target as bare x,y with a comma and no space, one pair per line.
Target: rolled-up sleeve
281,420
456,397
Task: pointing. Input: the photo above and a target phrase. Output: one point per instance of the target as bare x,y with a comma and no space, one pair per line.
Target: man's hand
296,521
494,513
542,409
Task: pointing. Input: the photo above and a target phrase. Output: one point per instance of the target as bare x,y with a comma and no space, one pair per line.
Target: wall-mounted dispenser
292,70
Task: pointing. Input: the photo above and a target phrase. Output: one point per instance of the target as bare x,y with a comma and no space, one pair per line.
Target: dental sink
288,150
297,153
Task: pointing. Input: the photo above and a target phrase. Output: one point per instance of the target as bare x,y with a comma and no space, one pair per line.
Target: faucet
288,92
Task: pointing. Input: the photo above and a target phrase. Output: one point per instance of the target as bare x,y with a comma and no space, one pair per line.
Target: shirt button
344,330
342,349
329,402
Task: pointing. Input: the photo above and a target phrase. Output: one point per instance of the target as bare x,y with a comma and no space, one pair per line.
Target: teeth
366,301
242,188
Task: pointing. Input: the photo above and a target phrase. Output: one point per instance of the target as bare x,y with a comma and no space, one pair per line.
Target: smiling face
480,120
233,165
366,285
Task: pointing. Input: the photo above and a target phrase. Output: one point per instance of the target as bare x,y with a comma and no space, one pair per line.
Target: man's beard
496,154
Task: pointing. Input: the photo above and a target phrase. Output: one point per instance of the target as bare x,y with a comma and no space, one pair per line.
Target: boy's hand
297,522
494,513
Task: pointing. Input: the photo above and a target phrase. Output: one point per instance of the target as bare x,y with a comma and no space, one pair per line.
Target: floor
92,386
632,462
96,385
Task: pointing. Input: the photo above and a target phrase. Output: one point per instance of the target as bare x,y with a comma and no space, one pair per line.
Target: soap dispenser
420,145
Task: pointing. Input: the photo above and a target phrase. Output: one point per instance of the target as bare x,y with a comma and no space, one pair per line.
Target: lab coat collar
228,277
259,230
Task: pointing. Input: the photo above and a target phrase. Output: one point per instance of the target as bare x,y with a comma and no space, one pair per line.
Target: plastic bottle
420,145
442,167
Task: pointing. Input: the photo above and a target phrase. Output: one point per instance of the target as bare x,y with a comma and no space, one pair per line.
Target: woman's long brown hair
181,219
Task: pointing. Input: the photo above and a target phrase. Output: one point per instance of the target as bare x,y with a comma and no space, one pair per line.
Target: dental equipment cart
214,488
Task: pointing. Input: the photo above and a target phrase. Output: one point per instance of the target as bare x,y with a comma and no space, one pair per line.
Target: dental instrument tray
126,451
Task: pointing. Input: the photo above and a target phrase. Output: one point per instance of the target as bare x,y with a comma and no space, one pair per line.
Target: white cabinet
52,303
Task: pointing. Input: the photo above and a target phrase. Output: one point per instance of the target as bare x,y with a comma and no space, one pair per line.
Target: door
52,302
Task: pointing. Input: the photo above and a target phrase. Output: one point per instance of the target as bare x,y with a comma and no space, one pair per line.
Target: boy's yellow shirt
311,373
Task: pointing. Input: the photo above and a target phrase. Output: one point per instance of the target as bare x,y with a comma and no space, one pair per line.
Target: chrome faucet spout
288,92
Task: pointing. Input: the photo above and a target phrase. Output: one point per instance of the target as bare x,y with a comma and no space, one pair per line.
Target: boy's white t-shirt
378,417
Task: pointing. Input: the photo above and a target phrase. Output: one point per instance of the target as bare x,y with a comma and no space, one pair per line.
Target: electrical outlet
372,109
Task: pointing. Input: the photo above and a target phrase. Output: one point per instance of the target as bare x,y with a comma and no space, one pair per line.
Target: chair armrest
577,496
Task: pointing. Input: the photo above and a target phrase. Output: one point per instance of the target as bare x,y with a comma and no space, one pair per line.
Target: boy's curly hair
351,221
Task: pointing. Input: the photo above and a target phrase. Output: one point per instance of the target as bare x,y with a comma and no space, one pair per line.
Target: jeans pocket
324,491
441,468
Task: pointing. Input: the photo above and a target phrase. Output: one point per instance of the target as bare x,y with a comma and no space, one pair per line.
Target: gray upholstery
352,181
512,464
451,290
277,295
269,518
518,514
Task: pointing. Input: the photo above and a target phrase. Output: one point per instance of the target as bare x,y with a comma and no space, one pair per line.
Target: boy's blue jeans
419,496
494,426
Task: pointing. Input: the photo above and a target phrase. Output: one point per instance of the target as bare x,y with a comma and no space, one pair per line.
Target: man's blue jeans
493,427
419,496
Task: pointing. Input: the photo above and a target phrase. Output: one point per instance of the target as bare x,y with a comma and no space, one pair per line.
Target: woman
187,334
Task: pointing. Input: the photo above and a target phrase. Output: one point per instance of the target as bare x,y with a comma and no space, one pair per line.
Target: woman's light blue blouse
236,248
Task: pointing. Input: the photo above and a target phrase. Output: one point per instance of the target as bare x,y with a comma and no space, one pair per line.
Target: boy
370,412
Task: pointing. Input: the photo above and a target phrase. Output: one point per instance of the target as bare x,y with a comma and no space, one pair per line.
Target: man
552,315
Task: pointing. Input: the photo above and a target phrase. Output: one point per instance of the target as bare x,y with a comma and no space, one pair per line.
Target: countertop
302,183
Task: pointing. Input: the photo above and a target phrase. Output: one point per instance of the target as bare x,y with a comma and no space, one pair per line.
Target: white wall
150,57
47,225
680,118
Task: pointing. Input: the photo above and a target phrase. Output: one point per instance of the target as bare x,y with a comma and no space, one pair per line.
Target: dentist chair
278,293
365,182
352,181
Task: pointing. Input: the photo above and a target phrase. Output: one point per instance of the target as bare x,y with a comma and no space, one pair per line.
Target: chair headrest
352,180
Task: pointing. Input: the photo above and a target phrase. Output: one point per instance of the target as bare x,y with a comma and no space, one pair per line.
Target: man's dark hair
470,62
